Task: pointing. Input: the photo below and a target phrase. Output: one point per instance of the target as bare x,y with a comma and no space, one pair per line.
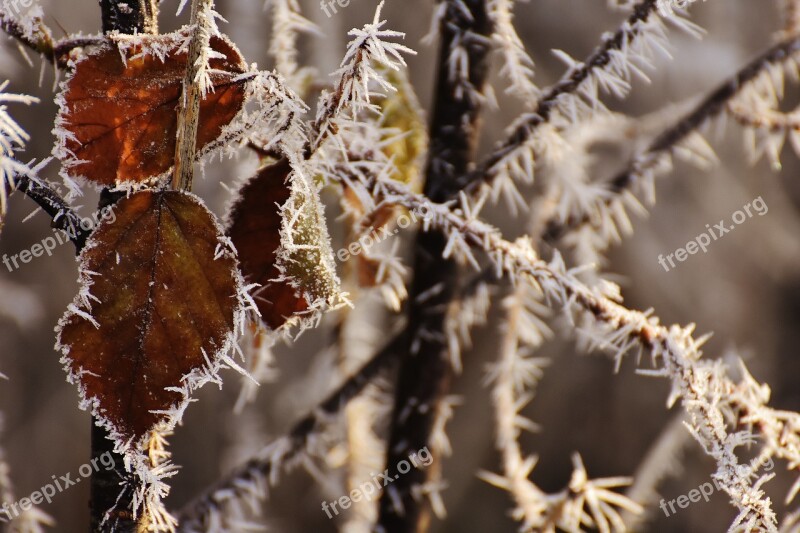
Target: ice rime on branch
703,386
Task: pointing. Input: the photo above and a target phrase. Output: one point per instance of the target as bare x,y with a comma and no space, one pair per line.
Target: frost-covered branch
610,67
681,139
701,385
424,379
32,33
287,24
517,64
369,46
196,85
15,175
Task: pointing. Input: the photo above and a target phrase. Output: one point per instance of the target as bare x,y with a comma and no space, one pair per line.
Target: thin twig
486,171
64,218
194,89
41,41
710,107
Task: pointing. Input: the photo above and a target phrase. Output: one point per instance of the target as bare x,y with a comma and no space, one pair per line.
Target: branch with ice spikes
355,74
655,159
701,385
15,175
622,55
219,504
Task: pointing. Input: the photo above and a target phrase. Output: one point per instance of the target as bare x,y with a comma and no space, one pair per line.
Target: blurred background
746,289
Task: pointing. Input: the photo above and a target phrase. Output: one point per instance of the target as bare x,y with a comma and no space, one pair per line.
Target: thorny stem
189,112
710,107
425,373
600,58
674,347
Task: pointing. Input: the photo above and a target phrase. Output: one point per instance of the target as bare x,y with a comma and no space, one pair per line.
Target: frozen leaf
305,257
117,121
157,307
254,229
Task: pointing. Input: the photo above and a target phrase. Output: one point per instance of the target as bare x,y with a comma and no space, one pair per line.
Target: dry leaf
254,229
117,120
156,306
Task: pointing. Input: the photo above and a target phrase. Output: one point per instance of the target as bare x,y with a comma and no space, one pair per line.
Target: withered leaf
254,229
117,120
156,306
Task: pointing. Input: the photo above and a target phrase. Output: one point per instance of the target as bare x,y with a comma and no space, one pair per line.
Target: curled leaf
117,119
156,313
254,230
305,258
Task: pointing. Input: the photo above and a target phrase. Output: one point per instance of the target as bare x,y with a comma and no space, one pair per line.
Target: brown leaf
118,119
254,229
155,302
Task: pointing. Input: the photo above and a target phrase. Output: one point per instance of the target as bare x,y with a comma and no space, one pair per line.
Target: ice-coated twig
32,33
15,175
517,65
287,24
369,45
656,158
701,385
610,67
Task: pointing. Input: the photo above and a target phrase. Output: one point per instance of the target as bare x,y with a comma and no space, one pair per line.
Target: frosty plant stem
195,86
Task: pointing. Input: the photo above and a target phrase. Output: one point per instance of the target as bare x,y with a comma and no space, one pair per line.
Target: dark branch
426,373
711,106
130,16
64,218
